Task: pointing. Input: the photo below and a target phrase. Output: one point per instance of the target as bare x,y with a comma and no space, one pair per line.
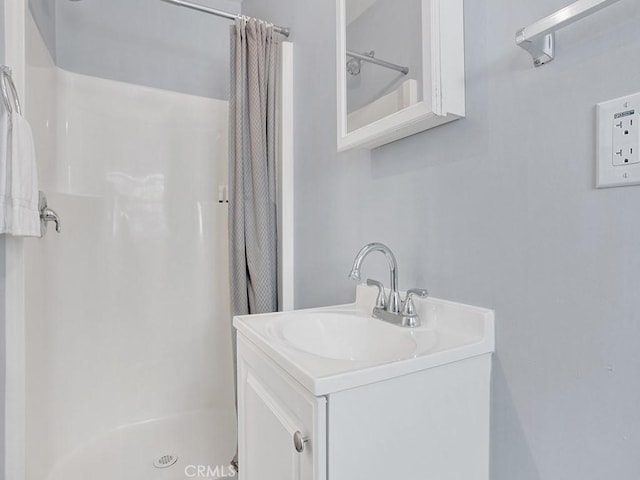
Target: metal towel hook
5,76
47,215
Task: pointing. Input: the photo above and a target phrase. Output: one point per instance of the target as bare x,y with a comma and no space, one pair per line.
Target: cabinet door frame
292,405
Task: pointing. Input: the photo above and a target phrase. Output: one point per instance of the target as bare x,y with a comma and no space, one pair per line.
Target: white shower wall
128,317
41,109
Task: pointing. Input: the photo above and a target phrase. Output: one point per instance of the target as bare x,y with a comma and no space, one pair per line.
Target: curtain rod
219,13
376,61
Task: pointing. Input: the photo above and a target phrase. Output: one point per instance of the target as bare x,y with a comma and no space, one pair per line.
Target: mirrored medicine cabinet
400,67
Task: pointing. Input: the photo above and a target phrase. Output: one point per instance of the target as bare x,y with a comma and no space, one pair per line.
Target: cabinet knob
299,441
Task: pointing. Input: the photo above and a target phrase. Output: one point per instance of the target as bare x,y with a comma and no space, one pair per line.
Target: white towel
19,214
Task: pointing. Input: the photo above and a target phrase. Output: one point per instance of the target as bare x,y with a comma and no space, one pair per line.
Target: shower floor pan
172,448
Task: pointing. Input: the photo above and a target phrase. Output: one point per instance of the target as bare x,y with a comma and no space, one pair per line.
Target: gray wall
2,36
3,337
497,210
146,42
44,14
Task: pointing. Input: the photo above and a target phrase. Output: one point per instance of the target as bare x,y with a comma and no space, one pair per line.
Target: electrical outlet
625,138
618,153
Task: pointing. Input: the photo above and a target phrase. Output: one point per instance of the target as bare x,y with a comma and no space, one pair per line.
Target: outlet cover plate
618,145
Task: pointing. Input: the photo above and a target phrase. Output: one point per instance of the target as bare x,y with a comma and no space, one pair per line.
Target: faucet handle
408,308
419,292
380,301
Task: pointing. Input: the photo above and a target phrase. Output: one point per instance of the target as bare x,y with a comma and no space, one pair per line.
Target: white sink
346,336
336,348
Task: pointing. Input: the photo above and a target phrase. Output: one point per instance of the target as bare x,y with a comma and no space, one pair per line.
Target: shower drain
165,461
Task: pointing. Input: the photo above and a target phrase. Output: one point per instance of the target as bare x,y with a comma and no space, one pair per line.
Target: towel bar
539,38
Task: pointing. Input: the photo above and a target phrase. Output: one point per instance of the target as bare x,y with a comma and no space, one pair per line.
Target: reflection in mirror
384,58
400,66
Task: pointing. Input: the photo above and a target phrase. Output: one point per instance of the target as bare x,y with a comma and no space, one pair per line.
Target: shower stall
124,340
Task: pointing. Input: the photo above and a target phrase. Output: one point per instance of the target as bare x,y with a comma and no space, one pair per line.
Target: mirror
400,68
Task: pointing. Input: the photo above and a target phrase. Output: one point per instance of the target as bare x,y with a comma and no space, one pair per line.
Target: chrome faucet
394,303
393,309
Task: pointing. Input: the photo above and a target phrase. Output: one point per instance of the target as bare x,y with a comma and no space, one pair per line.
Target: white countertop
450,332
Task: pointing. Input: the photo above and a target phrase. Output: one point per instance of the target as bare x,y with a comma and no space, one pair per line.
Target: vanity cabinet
428,424
272,409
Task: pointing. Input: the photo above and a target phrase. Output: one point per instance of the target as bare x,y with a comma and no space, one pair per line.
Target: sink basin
343,336
331,349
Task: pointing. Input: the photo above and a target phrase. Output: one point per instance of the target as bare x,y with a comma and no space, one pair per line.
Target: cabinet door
272,408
